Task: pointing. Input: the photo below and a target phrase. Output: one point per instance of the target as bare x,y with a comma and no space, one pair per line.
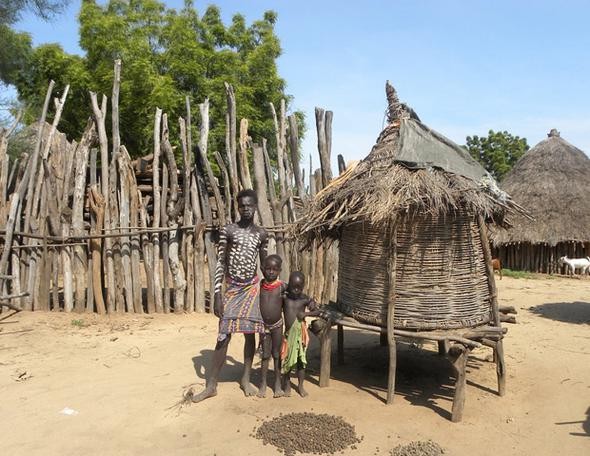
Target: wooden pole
294,149
154,300
245,178
391,317
97,206
499,351
80,254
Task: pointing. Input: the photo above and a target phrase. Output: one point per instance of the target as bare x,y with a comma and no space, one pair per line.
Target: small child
296,339
271,306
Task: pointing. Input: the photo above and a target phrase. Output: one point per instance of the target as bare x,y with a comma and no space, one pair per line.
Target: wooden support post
340,344
390,317
325,355
458,355
499,351
443,347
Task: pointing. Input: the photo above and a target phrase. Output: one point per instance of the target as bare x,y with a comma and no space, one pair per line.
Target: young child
271,307
296,339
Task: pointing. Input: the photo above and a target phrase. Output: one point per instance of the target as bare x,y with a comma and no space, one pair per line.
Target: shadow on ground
577,312
423,377
585,425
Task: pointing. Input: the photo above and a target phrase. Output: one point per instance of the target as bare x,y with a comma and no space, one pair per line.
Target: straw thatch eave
381,188
551,181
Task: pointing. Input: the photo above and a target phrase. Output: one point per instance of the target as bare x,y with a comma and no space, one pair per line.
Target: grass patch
79,323
519,274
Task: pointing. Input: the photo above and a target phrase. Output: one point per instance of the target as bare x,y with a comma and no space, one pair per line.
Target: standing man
238,308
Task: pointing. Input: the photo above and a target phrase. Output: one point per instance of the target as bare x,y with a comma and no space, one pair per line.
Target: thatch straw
380,188
551,180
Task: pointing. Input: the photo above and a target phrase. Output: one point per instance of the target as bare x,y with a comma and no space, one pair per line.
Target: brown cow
497,266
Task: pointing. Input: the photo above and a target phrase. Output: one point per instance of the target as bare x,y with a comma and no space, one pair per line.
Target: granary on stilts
414,256
551,181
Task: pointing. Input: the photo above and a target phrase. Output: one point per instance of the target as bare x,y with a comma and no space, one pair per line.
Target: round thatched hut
411,222
551,181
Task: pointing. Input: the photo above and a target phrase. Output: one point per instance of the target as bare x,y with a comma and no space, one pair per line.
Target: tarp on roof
421,148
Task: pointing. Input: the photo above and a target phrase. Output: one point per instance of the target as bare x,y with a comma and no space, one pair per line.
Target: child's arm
312,310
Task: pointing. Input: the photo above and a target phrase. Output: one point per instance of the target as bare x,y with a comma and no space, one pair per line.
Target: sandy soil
122,375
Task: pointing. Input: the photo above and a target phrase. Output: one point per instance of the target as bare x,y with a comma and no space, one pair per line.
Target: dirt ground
77,384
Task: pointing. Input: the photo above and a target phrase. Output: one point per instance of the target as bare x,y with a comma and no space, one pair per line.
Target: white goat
576,263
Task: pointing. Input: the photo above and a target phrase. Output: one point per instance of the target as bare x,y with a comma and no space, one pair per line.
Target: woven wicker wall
440,274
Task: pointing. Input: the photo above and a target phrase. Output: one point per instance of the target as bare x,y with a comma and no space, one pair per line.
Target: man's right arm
220,272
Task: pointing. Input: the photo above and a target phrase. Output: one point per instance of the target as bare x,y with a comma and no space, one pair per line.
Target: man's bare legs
249,351
219,356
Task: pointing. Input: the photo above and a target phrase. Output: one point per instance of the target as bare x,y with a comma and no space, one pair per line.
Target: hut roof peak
554,133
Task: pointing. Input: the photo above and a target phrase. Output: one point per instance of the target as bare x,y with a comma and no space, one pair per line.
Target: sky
464,66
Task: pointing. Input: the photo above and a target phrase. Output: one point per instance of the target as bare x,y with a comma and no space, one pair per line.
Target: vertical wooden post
340,344
459,354
390,317
325,354
97,208
294,149
154,287
243,156
499,351
230,136
80,253
383,338
324,125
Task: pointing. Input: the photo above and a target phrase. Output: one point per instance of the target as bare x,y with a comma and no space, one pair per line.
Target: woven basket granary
410,219
440,274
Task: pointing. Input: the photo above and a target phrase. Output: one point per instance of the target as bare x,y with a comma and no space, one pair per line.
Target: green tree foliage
498,152
166,55
11,10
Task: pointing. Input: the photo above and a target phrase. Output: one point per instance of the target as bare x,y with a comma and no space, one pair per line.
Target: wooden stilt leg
340,344
500,367
325,355
458,355
443,347
383,339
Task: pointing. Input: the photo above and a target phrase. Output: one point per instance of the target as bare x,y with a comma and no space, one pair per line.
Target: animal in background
497,266
575,263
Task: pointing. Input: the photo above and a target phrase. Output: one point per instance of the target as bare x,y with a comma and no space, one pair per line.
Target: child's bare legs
266,345
301,379
277,339
249,350
287,384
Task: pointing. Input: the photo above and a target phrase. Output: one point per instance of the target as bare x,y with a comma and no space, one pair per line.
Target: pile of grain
424,448
308,433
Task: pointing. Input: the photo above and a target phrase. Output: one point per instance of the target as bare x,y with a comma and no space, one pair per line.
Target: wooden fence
87,229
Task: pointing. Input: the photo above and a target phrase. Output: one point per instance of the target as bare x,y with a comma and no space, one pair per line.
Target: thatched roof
411,169
552,181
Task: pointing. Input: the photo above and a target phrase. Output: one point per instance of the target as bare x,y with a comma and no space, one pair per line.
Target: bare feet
248,389
287,389
301,391
278,392
208,392
261,391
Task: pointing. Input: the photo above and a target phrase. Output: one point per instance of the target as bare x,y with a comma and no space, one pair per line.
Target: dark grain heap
307,433
418,448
